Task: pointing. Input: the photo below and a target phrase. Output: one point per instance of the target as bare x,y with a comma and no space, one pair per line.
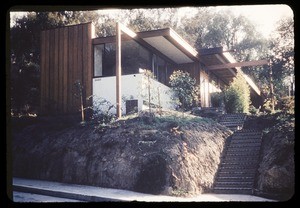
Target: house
106,67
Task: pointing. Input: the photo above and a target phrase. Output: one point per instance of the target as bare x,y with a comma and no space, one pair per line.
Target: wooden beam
238,64
118,70
210,51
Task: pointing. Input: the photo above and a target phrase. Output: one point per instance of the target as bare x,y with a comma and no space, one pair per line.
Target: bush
253,110
185,89
237,96
286,105
217,98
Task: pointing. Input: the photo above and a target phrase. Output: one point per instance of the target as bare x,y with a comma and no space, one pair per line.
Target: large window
133,57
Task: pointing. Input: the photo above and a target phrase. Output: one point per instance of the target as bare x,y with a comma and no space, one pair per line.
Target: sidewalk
97,194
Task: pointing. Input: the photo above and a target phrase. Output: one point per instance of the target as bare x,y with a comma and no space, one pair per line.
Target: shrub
237,96
217,98
286,105
253,110
185,89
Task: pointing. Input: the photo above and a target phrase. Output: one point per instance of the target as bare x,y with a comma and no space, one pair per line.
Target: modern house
111,68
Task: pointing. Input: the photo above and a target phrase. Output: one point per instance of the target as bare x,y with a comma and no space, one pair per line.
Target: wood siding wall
66,57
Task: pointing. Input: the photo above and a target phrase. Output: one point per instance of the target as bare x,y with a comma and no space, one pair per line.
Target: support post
118,71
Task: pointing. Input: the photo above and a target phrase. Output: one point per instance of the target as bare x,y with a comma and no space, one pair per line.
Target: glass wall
134,56
98,55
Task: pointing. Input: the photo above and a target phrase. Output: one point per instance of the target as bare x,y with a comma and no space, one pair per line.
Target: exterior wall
160,94
204,89
134,86
66,57
202,80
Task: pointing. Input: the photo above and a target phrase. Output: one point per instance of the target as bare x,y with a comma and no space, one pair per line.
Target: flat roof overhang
166,41
216,56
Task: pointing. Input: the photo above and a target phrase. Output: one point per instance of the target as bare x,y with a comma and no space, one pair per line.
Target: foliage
253,110
237,96
286,105
267,106
282,56
149,76
185,89
217,99
78,93
101,111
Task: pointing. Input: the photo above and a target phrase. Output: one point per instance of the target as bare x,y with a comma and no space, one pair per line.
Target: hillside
167,154
276,173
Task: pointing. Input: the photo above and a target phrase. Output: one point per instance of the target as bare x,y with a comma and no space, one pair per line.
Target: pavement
28,190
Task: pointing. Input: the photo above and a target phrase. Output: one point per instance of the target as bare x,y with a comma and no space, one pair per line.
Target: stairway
236,174
233,121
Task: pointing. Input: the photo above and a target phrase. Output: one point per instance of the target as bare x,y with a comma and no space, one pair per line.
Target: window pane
109,62
134,56
98,54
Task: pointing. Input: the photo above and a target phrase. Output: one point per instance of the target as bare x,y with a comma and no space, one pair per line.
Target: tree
185,88
282,56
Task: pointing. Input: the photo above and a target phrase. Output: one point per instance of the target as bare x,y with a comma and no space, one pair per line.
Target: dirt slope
276,173
169,154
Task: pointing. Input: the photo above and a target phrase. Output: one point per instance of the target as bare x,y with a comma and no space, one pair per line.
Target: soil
276,173
168,154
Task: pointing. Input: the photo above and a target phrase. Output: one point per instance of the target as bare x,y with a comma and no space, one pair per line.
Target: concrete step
248,133
226,173
245,145
236,179
238,184
254,150
246,159
231,122
240,163
232,190
240,137
238,170
245,140
241,154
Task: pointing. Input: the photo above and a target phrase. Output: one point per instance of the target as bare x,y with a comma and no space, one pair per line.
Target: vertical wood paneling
65,70
60,69
66,56
55,71
70,70
79,61
46,70
84,57
89,57
42,64
51,68
75,69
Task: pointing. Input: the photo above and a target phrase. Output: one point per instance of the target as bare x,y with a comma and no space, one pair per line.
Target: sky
264,16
